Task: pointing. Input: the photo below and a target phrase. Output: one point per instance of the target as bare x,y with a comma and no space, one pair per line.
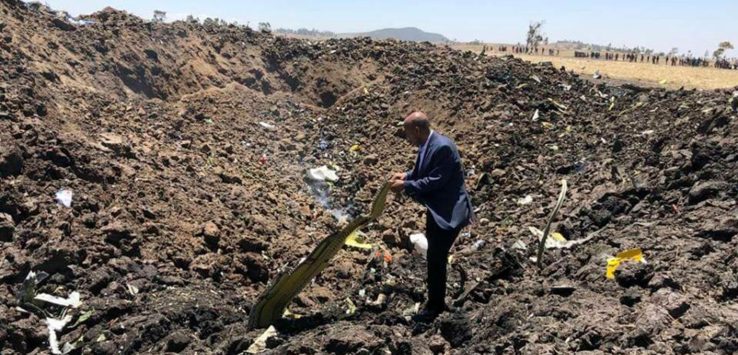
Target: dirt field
645,74
158,172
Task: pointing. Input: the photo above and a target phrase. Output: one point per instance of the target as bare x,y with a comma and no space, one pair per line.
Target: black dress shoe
426,316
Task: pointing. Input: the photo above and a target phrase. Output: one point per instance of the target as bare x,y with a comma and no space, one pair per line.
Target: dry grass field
644,74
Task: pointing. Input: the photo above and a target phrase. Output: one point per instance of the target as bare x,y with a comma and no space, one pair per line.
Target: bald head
417,119
417,127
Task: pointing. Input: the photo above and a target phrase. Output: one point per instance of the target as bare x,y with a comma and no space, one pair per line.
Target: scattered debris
56,325
71,301
322,173
268,126
528,199
350,307
275,298
64,197
520,245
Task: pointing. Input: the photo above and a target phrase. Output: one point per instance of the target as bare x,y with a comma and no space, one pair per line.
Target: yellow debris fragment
558,237
628,255
356,240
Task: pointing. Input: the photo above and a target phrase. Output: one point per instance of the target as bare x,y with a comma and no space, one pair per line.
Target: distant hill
412,34
404,34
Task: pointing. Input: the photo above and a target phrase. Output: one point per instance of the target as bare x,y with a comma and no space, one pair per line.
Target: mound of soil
186,146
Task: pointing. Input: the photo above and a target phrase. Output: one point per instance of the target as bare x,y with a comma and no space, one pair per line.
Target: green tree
722,47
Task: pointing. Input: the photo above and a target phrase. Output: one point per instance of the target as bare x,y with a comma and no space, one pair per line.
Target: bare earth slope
185,205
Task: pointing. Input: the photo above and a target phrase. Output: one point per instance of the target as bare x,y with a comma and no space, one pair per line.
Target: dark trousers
439,244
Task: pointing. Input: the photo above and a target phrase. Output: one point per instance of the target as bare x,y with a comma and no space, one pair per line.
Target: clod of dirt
674,303
703,190
7,227
211,233
634,274
630,297
11,161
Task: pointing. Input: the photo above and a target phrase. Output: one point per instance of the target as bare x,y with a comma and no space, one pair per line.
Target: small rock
62,25
703,190
674,303
496,173
177,341
116,232
303,301
11,161
455,329
321,294
630,297
661,280
257,270
208,265
211,233
229,178
346,340
7,227
345,270
112,141
634,274
5,115
722,228
371,159
390,238
437,344
252,244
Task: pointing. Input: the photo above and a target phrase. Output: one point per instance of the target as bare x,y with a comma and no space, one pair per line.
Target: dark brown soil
185,206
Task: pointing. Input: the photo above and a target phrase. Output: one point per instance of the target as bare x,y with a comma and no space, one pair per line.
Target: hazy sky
695,25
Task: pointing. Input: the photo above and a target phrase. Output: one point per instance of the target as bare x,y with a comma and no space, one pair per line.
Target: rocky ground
185,146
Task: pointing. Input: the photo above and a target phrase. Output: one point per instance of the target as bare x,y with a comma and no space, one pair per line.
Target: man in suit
436,181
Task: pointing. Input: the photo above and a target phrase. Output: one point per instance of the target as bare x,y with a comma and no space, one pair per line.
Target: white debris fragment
71,301
132,290
322,173
56,325
553,243
520,245
527,200
259,344
64,197
647,132
536,115
267,125
420,243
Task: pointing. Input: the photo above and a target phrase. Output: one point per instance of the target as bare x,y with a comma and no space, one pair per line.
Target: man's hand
397,185
398,176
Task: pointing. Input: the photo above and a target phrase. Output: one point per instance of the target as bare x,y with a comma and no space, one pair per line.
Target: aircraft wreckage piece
272,302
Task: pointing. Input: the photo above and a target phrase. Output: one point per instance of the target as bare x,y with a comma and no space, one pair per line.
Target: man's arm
439,174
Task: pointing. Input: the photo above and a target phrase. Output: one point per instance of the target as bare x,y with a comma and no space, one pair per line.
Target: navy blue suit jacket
438,183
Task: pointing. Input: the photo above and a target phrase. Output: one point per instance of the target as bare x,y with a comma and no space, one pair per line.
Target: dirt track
185,206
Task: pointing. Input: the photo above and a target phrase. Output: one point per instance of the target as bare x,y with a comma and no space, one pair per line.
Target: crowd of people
632,57
672,60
